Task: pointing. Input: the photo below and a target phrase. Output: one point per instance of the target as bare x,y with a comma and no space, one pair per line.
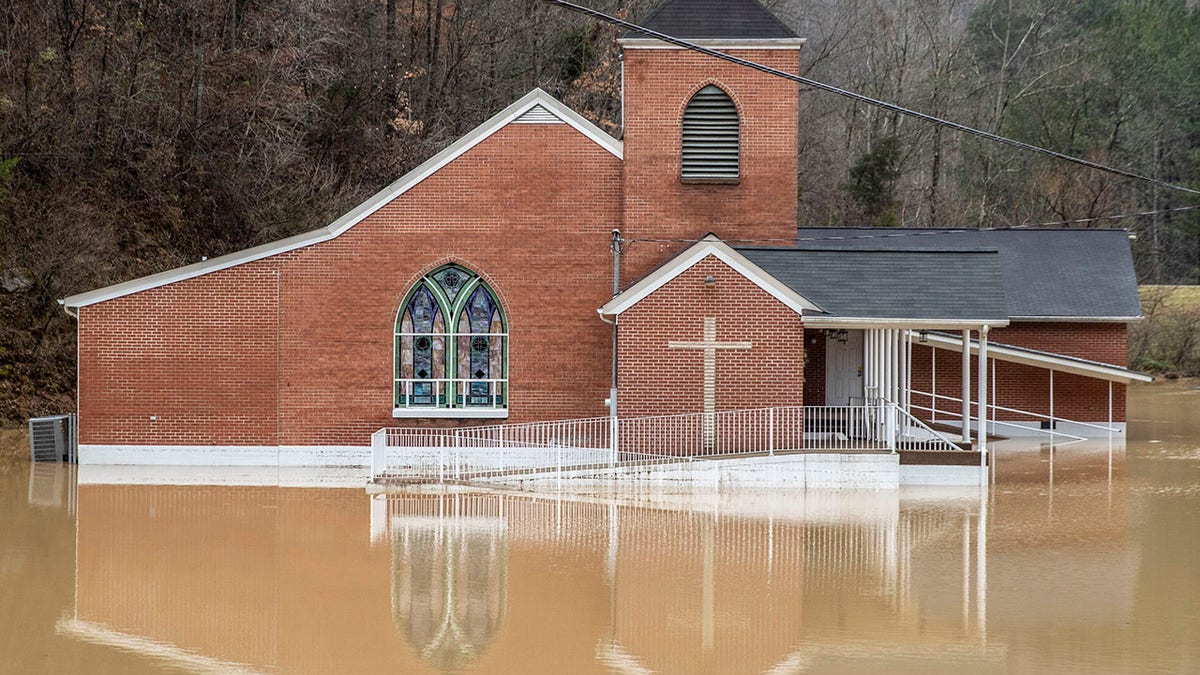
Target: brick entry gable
654,379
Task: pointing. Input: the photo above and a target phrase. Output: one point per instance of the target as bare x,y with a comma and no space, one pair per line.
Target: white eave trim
1080,319
1040,359
709,246
915,324
719,43
535,98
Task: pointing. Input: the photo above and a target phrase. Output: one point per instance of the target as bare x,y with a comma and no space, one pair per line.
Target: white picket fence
496,451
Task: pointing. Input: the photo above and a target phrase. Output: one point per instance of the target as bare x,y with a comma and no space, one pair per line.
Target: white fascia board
916,324
1080,319
725,43
709,246
365,209
1065,364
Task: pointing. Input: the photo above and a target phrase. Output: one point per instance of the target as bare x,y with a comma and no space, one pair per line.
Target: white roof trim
715,43
1079,319
709,246
915,324
535,98
1030,357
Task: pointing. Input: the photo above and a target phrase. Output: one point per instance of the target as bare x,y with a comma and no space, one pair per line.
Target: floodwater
1081,558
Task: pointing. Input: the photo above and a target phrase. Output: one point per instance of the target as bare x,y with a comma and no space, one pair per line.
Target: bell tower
709,146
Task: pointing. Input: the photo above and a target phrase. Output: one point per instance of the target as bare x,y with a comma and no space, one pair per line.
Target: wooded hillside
136,136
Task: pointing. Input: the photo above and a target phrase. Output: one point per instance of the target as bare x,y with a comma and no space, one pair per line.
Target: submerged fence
496,451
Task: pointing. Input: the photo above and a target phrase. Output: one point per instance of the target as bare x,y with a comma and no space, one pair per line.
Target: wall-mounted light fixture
840,334
710,281
923,336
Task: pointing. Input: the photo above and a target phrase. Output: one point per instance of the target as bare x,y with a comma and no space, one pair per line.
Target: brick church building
479,289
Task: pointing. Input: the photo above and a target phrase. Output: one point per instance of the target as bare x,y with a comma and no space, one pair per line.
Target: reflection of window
451,346
710,143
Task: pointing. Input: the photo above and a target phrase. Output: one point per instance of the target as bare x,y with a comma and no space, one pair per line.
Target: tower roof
714,20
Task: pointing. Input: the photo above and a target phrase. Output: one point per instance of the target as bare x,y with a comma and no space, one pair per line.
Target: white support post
894,347
966,386
771,432
457,457
908,367
889,364
1110,422
612,425
995,398
983,395
378,453
877,363
1052,425
889,411
933,384
501,436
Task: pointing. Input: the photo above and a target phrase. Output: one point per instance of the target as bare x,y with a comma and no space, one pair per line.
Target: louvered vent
52,439
538,115
710,137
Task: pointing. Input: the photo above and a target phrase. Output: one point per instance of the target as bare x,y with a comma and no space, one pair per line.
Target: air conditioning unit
52,439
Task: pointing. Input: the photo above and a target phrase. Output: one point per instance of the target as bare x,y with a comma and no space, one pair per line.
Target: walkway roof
1048,274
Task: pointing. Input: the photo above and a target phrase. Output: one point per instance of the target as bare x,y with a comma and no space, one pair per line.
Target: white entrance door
844,368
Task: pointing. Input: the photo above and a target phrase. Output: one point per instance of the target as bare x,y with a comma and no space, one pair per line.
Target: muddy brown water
1081,558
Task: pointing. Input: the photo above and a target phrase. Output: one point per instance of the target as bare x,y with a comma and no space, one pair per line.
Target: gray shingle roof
714,20
1086,274
883,284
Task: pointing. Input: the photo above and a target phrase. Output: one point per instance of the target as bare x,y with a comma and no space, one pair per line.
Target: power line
1118,216
869,100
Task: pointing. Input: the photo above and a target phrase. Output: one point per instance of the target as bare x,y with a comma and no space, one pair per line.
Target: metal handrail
992,407
536,448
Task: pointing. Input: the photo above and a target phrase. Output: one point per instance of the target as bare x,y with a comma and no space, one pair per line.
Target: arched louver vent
710,137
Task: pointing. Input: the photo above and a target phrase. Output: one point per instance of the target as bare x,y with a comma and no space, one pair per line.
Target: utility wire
1117,216
868,100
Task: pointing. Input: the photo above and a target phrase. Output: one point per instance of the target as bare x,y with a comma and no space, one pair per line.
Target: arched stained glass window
451,346
710,144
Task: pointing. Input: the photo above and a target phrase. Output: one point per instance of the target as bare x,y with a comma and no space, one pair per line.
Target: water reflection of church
263,578
449,585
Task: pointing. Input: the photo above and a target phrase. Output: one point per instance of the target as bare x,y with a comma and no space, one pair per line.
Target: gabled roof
540,106
714,20
1047,274
706,247
914,287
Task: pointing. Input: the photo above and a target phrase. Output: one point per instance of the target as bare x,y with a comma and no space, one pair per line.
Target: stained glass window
451,344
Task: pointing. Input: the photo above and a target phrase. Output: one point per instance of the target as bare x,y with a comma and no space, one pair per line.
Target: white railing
579,446
993,421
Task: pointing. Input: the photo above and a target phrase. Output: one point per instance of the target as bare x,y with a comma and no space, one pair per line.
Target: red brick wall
814,367
198,355
1028,388
1104,342
658,85
654,379
531,208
